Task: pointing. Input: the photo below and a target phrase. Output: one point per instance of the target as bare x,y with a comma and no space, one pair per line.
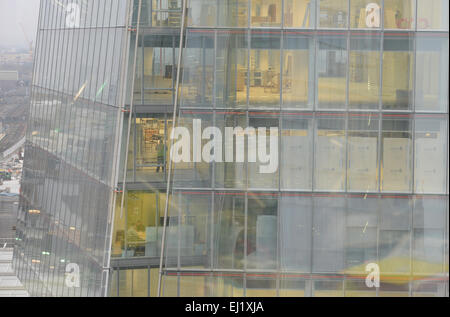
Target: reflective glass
333,13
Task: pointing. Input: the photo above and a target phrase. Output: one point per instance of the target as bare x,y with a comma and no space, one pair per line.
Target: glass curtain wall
360,109
69,167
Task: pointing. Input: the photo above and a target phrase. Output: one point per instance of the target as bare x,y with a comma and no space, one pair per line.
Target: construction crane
27,39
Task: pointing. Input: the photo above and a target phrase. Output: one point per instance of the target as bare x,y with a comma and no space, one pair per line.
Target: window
431,72
332,72
299,13
362,157
296,152
265,70
364,71
298,71
330,153
365,14
398,60
432,15
333,13
396,173
266,13
399,14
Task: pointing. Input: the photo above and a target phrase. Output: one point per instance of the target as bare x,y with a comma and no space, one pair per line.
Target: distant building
8,79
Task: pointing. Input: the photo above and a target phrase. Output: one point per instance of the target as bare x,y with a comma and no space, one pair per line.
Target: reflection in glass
364,71
295,232
399,14
231,69
431,73
429,219
331,61
365,14
256,179
298,71
430,154
296,152
198,70
266,13
262,228
201,13
396,154
233,13
398,61
265,70
362,161
330,153
299,13
333,13
229,216
432,14
328,240
231,174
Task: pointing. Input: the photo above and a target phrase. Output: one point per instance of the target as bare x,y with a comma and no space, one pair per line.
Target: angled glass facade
351,169
73,133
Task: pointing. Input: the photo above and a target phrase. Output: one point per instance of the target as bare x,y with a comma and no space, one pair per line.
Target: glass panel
262,224
362,160
195,286
328,234
201,13
432,14
328,288
432,73
266,13
399,14
364,71
361,236
398,61
231,69
232,173
166,13
265,69
299,13
261,286
332,72
293,287
233,13
192,232
192,168
148,144
229,231
394,236
298,71
356,287
394,286
156,72
429,235
296,151
228,285
333,13
263,172
365,14
396,168
198,70
295,232
140,283
430,154
329,154
144,211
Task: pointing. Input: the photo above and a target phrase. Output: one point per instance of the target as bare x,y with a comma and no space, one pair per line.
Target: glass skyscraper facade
351,169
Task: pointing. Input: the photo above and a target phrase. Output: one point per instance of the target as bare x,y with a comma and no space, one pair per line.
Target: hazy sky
14,12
